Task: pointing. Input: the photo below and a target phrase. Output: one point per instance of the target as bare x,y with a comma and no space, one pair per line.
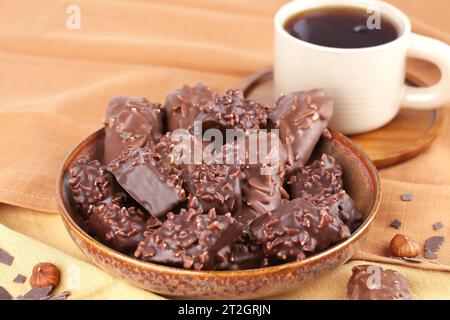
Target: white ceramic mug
367,84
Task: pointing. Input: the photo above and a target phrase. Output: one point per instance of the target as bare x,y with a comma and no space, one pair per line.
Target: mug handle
438,53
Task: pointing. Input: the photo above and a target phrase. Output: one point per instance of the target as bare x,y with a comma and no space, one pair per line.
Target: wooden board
409,134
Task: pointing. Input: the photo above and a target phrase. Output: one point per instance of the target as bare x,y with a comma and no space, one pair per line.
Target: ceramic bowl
361,182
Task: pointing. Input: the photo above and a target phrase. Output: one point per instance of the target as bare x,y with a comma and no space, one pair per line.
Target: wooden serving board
409,134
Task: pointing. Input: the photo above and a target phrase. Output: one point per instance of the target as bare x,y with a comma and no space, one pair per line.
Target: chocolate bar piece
370,282
183,105
118,227
321,183
130,122
241,256
190,239
232,110
297,229
342,206
301,118
317,181
215,186
264,174
153,183
91,185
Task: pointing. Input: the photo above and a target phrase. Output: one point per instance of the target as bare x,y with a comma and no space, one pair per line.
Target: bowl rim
153,267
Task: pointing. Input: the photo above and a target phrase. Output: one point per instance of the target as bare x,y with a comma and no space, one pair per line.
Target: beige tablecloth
55,84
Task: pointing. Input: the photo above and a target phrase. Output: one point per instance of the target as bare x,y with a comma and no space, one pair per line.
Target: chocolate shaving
62,296
413,260
20,279
5,295
36,294
395,224
432,246
407,197
6,258
438,226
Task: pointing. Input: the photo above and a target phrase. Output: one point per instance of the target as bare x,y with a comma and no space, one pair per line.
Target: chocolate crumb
438,225
5,295
62,296
412,260
432,246
6,258
395,224
36,293
407,197
20,279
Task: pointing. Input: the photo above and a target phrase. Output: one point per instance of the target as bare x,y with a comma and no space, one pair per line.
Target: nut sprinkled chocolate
241,256
118,227
232,110
369,282
153,183
91,185
183,105
215,186
263,177
297,229
301,118
341,205
130,122
190,239
317,181
321,183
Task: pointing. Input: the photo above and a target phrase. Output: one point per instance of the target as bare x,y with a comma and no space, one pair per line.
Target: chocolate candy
232,110
91,185
153,183
264,175
369,282
130,122
118,227
321,183
317,181
215,186
241,256
183,105
342,206
301,118
190,240
246,215
297,229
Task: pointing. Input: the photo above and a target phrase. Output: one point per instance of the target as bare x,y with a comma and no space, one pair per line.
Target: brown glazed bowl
361,182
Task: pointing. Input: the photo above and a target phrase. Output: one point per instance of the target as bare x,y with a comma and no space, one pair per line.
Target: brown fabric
55,85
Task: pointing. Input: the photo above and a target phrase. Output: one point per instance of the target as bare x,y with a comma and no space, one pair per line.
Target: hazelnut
402,246
45,275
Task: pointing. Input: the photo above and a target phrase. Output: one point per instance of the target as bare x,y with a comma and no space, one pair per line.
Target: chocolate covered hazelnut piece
190,240
241,256
263,176
118,227
317,181
232,110
130,122
91,185
297,229
214,186
183,105
301,118
370,282
341,205
154,184
321,183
